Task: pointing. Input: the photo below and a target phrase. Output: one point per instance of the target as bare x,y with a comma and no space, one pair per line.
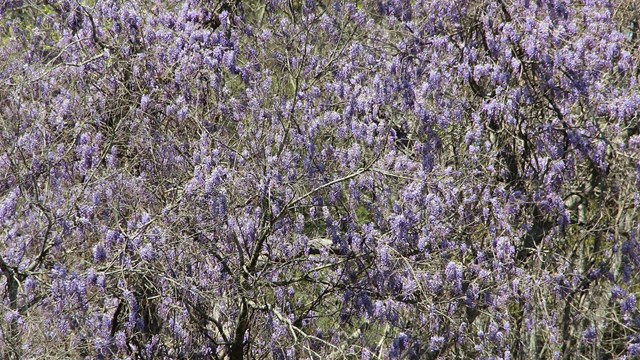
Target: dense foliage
319,179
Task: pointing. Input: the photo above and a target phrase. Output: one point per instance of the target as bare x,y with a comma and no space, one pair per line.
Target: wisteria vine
319,179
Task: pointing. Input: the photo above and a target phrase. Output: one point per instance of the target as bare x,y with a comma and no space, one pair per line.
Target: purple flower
504,249
30,285
628,305
8,206
398,345
144,102
147,253
436,343
633,350
617,292
451,272
99,253
589,335
454,277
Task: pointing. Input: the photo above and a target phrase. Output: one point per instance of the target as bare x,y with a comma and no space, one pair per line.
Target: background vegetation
319,180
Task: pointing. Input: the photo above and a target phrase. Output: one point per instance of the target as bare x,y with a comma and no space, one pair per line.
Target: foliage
314,179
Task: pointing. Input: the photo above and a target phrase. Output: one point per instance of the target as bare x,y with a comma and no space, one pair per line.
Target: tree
308,179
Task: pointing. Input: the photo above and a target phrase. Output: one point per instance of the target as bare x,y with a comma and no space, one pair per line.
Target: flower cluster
306,179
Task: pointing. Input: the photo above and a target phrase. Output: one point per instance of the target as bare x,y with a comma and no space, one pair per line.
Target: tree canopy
385,179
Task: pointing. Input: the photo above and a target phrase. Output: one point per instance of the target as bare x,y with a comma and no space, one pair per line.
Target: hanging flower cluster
319,179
